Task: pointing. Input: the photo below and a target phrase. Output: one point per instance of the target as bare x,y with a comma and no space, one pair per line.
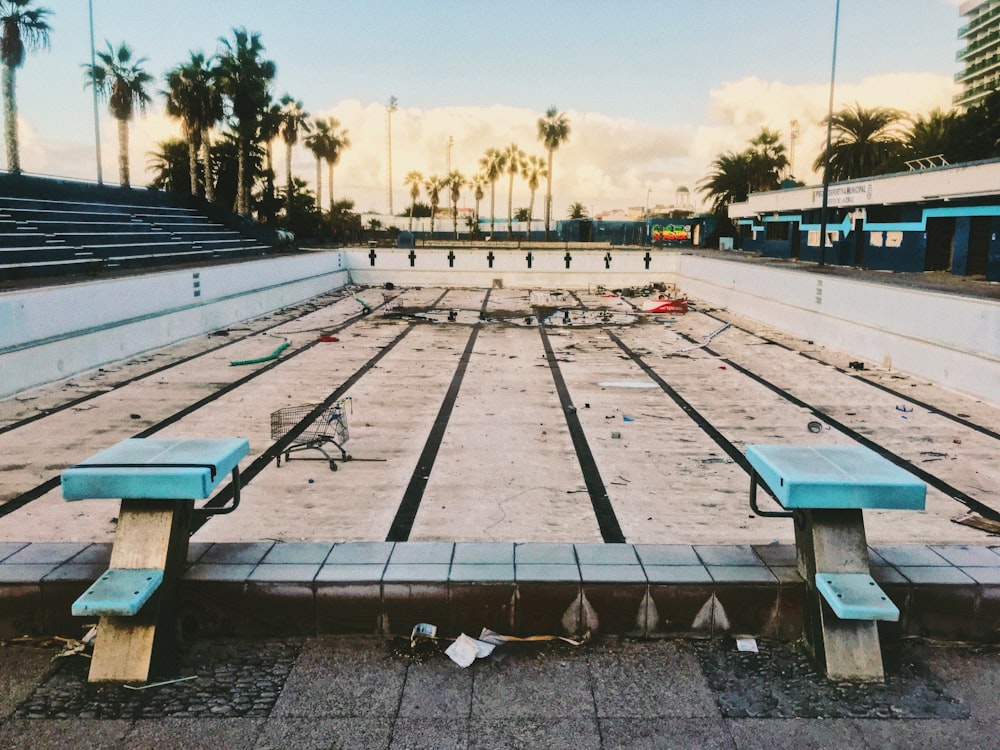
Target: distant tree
294,120
979,130
339,142
122,82
455,182
865,142
191,97
170,166
533,172
23,30
477,182
418,210
767,160
318,142
933,134
553,131
415,180
434,185
513,158
243,77
522,214
491,167
577,211
729,182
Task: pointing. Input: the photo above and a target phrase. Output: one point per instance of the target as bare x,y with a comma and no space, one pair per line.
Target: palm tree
492,164
577,211
455,182
533,171
24,29
477,183
318,141
170,165
339,141
192,97
243,77
123,83
513,163
768,160
415,180
434,185
294,120
729,182
553,130
866,142
937,133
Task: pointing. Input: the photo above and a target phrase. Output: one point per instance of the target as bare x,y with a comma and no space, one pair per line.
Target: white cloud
607,162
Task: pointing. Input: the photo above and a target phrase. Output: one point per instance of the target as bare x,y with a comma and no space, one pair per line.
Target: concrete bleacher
49,228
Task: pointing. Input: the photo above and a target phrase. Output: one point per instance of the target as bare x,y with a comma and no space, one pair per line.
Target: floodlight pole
389,109
826,158
93,86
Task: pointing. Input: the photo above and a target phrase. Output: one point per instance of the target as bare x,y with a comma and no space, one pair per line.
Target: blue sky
654,90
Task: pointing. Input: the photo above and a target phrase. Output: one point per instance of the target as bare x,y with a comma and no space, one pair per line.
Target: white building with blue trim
944,218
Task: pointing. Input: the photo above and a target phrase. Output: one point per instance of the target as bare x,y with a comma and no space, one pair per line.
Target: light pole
93,86
389,109
448,144
826,158
648,191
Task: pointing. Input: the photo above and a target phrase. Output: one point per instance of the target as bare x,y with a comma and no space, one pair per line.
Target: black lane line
406,514
731,450
16,503
142,376
607,521
278,447
874,383
951,491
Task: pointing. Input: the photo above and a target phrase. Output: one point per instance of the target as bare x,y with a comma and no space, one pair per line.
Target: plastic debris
747,644
466,650
904,408
814,427
422,631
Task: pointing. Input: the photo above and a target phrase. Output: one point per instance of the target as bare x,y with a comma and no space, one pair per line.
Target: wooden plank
150,534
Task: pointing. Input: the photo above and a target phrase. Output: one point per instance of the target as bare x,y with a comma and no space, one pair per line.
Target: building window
777,231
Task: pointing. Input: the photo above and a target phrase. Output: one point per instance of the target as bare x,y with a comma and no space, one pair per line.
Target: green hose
268,358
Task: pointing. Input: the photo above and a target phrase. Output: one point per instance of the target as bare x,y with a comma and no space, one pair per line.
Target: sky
654,90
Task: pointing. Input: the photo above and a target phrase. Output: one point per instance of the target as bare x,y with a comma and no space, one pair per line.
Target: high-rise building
981,56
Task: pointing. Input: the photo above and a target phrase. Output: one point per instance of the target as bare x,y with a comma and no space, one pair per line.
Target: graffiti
671,233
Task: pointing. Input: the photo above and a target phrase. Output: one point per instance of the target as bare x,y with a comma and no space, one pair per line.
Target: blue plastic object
120,592
856,596
155,468
835,476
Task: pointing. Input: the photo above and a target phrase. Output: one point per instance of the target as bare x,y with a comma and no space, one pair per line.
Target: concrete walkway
372,693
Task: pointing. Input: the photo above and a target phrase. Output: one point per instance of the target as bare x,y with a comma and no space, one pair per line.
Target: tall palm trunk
288,173
510,207
193,144
493,210
548,198
531,208
319,184
123,174
206,151
241,168
329,180
10,120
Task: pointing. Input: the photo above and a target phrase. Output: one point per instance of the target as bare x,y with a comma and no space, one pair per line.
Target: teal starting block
157,481
826,488
119,592
856,596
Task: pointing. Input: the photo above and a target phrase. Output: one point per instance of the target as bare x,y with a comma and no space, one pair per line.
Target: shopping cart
330,427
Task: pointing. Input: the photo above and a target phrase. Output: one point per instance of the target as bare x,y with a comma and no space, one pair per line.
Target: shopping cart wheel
333,465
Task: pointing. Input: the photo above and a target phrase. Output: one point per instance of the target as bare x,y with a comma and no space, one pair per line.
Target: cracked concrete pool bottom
506,468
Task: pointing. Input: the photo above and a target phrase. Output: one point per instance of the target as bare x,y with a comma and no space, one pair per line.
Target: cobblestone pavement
358,692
